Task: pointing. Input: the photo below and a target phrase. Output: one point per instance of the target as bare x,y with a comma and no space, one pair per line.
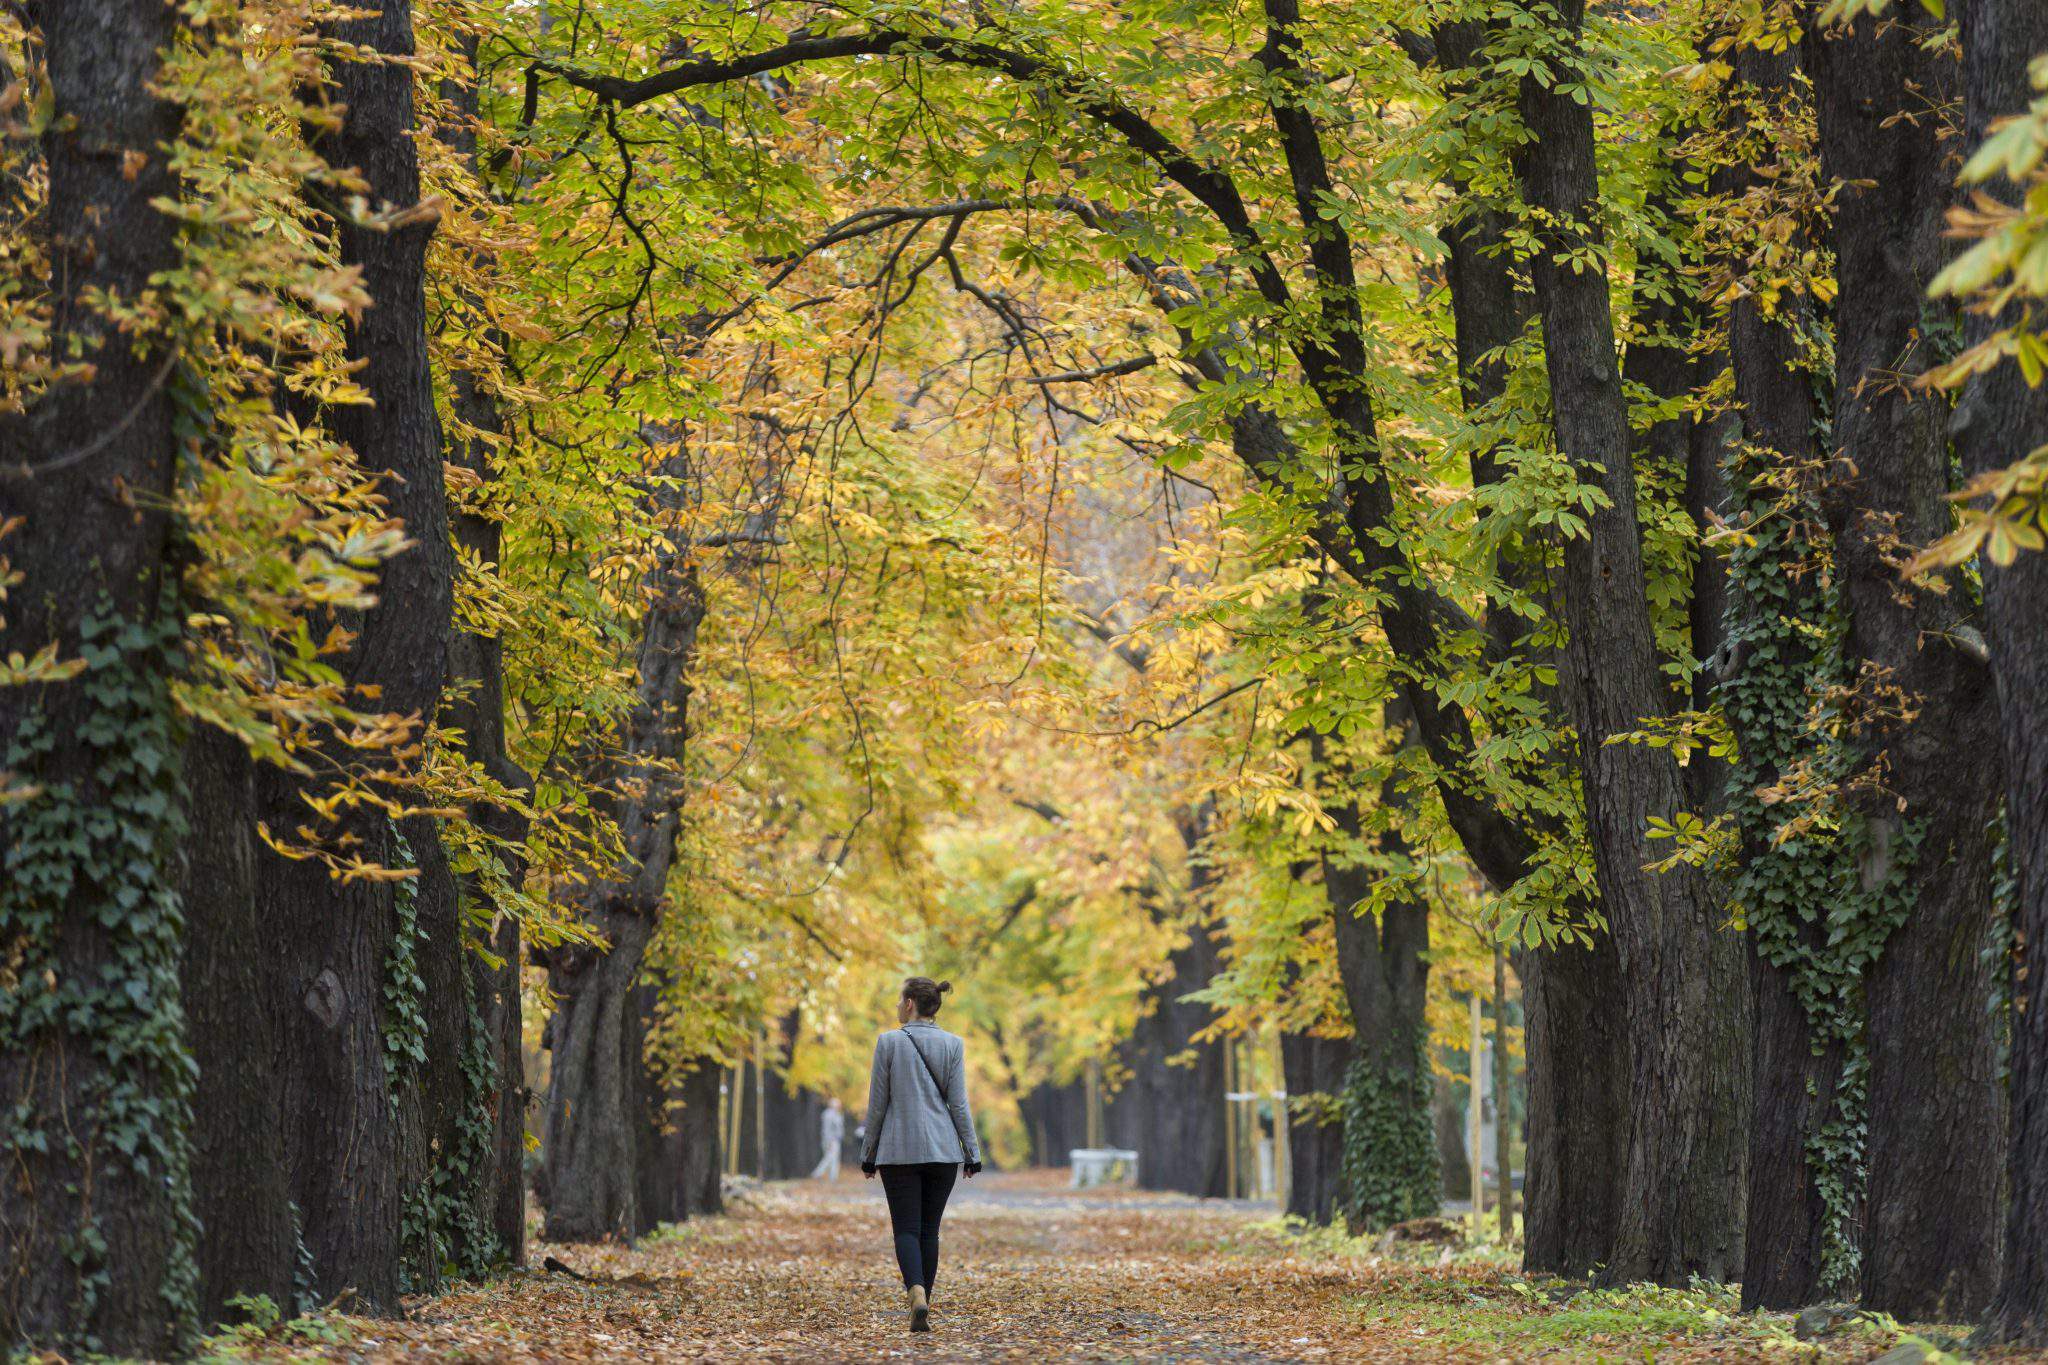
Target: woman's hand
867,1168
972,1169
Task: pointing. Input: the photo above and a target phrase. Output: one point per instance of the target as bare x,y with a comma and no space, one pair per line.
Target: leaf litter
803,1271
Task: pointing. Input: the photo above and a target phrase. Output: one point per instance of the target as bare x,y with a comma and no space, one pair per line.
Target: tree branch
1110,370
1207,185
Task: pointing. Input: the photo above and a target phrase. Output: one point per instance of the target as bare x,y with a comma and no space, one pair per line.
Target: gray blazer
910,1120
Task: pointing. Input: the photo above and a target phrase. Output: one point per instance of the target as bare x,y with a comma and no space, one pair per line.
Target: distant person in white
831,1132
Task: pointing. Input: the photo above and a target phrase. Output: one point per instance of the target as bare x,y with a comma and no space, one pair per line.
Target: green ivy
91,868
1390,1170
305,1275
405,1018
2003,941
473,1245
444,1228
1796,883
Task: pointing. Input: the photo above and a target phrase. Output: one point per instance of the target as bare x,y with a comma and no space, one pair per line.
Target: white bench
1102,1165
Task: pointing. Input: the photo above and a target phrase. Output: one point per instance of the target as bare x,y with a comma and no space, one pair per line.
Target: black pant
917,1201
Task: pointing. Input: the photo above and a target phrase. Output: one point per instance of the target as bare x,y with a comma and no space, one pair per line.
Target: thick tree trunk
1999,420
677,1152
1775,614
1056,1121
1390,1169
356,1130
433,1094
2015,419
241,1183
1577,1061
96,1230
746,1158
596,1110
478,711
499,1187
1173,1116
1936,1123
1684,988
1447,1119
340,1119
595,1104
1314,1068
695,1135
679,1157
792,1130
1572,1188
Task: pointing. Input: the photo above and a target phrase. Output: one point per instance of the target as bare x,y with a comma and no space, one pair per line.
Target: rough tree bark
241,1182
1390,1171
595,1107
91,1023
1684,990
1936,1122
676,1148
680,1156
1999,420
354,1129
1314,1068
477,709
1796,1069
1173,1116
1577,1058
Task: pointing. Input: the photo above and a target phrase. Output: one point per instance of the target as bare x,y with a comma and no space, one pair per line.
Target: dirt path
1029,1271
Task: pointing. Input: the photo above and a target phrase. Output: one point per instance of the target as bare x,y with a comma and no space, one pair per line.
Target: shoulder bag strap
936,1082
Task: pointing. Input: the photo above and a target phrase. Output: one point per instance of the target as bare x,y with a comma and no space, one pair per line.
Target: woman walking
919,1133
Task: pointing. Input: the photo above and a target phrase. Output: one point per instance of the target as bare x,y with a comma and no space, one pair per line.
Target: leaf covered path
1030,1271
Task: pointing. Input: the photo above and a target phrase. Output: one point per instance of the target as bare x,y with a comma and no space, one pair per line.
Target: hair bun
945,986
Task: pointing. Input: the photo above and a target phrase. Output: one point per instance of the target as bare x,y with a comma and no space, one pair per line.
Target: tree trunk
1056,1121
1577,1061
746,1157
96,1227
1390,1169
1572,1187
792,1135
432,1093
1503,1098
696,1134
498,1184
676,1145
679,1157
1999,420
596,1107
1173,1115
241,1183
1684,990
1447,1118
358,1126
1800,1217
1315,1069
1936,1124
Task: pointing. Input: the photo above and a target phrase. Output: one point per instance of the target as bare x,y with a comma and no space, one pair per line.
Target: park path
802,1272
